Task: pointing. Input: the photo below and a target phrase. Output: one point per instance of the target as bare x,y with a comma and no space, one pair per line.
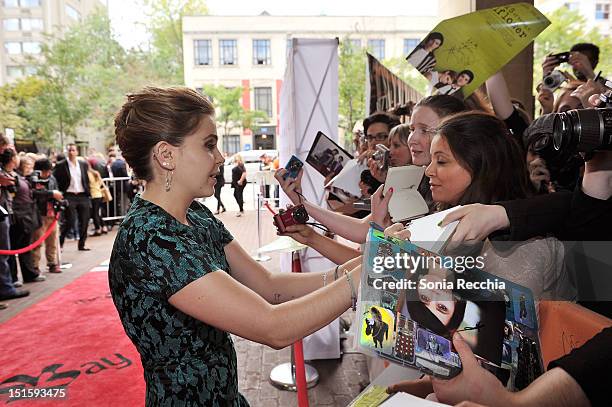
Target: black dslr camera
585,130
35,181
60,206
293,215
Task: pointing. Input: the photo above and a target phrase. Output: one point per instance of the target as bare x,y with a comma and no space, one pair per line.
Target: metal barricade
120,188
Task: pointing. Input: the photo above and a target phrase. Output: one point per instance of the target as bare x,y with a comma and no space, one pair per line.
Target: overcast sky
129,22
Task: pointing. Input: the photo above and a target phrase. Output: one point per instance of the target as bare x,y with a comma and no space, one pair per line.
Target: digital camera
553,80
381,156
60,206
293,215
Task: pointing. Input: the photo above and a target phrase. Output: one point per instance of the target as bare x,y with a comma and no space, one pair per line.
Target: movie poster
461,53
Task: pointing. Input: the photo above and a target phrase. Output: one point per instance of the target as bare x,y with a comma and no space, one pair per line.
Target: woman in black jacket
220,182
239,182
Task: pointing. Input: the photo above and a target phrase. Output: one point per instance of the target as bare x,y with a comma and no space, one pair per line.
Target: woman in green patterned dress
179,281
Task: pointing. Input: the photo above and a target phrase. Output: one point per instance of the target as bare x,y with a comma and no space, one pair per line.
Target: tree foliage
166,28
351,85
229,112
81,80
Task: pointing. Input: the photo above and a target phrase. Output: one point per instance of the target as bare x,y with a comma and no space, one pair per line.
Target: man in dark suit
71,176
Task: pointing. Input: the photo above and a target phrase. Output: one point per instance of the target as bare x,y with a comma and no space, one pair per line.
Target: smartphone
562,57
293,167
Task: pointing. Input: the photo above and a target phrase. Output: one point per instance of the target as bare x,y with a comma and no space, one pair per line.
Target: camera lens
549,81
583,130
300,215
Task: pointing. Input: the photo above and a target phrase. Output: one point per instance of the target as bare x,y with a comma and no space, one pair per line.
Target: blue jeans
6,281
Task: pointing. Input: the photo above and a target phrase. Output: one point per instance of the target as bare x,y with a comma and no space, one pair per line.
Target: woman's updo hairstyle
482,145
157,114
442,105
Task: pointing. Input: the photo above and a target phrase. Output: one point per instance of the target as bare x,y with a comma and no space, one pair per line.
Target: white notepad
425,232
405,399
406,202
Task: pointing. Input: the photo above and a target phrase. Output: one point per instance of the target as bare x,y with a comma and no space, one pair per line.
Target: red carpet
73,339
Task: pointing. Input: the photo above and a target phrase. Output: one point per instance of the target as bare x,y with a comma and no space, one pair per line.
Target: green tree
351,86
229,112
77,69
566,29
166,28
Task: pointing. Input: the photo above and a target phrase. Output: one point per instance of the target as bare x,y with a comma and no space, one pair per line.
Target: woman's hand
380,206
420,387
291,186
398,231
375,170
300,233
476,221
473,383
586,90
539,174
546,99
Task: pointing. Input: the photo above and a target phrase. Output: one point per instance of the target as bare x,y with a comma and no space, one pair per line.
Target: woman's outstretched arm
219,300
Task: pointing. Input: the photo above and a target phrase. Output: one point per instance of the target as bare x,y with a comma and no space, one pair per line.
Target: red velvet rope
35,244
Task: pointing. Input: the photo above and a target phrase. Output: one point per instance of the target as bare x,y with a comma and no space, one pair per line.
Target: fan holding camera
582,57
49,201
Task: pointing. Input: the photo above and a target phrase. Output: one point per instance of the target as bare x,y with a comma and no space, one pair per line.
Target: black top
237,172
566,215
517,125
590,365
220,177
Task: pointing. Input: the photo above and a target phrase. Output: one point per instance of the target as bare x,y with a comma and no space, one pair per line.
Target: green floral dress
186,362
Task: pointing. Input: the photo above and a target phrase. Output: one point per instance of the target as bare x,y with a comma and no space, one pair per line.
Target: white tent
309,103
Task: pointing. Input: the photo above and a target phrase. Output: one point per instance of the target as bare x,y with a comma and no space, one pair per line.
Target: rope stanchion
300,369
34,244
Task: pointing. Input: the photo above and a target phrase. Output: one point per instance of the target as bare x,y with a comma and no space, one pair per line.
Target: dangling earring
169,180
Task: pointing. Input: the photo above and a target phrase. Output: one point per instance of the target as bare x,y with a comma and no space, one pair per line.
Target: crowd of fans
487,154
36,188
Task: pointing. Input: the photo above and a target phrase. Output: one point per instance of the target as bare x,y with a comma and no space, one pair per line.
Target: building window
11,24
377,47
203,52
261,52
31,47
602,11
410,44
72,13
12,48
31,24
14,71
263,100
31,70
29,3
228,52
11,3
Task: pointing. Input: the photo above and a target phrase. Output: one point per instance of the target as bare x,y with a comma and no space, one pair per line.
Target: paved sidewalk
340,380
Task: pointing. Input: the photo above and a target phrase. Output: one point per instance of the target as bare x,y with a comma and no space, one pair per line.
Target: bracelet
325,278
353,294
